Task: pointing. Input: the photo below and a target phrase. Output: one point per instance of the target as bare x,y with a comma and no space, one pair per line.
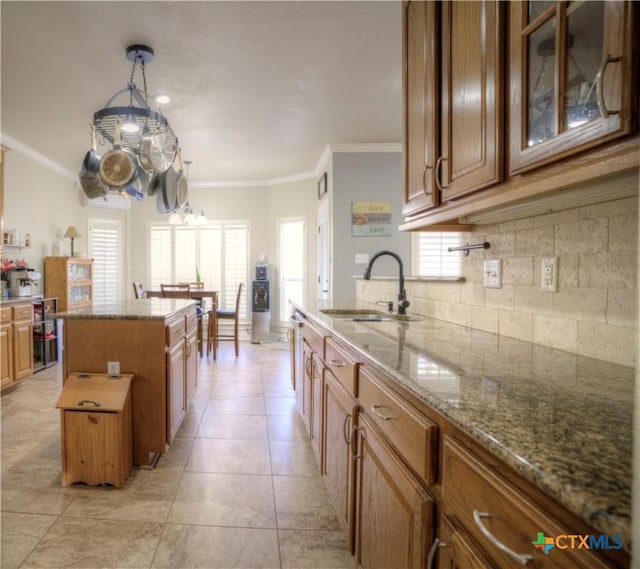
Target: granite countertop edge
608,518
141,309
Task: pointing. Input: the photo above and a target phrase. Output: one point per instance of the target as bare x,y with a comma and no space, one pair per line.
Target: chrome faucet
402,295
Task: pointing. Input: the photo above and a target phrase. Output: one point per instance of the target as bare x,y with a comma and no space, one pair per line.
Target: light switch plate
493,273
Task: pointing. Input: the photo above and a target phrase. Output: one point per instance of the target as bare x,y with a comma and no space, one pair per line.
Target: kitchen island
537,429
154,339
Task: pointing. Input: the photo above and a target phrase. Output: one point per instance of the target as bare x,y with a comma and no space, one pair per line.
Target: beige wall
593,313
44,203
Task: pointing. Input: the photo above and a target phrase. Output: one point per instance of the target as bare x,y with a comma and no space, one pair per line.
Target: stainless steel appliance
260,305
21,282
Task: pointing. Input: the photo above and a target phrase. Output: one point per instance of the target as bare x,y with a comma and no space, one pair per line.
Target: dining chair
138,290
182,287
226,314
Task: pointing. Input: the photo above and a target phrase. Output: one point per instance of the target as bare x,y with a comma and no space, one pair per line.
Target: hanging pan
156,151
119,165
182,189
89,179
167,190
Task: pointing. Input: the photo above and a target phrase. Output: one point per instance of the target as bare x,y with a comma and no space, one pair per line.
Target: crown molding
327,153
14,144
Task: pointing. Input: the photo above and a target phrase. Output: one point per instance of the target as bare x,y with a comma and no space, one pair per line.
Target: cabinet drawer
469,486
314,338
22,312
192,320
5,314
342,366
176,330
413,435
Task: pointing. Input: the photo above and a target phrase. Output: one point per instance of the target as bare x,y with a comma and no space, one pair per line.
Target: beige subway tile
499,297
559,333
517,270
557,218
607,209
472,293
568,266
502,245
532,299
615,344
580,304
608,270
448,292
517,325
416,288
589,236
623,232
473,269
622,307
485,318
538,241
452,312
517,224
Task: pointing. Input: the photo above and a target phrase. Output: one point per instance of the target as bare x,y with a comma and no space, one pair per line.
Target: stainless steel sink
365,315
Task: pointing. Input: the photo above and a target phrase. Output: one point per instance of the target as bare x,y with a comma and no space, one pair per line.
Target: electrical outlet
549,274
493,273
113,369
362,258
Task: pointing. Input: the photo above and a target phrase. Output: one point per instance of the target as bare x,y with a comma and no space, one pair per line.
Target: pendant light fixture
143,128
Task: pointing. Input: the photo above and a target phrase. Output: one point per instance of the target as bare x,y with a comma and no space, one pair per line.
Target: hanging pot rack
148,120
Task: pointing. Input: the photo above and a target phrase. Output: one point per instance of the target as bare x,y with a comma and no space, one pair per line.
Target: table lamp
72,233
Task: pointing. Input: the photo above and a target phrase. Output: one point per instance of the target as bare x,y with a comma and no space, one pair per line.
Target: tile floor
238,488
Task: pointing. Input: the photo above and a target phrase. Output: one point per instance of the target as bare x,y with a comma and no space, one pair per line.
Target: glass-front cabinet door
570,78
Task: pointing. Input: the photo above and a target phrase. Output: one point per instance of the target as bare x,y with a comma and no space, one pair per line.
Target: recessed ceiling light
162,99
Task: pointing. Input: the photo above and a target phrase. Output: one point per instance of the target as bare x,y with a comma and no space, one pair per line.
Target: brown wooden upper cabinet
570,78
454,85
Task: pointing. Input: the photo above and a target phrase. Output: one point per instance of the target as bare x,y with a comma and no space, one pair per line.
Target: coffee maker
22,282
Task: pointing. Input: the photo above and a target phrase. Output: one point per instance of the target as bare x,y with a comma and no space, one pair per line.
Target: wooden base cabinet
338,463
394,526
16,343
456,551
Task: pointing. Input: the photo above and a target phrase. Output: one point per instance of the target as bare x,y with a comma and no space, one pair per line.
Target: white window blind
431,258
292,246
219,252
105,249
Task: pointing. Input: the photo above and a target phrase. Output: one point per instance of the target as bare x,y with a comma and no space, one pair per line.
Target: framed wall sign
322,186
370,219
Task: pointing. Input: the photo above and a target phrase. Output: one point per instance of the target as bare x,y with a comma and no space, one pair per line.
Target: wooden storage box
96,429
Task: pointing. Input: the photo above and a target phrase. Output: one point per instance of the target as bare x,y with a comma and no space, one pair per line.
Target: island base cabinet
340,419
394,526
176,401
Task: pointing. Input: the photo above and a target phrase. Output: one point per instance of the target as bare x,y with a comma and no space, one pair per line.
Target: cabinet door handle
438,173
354,435
347,438
338,363
521,558
424,182
432,552
188,348
374,410
599,81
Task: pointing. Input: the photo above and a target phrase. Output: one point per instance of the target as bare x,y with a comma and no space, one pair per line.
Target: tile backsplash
594,311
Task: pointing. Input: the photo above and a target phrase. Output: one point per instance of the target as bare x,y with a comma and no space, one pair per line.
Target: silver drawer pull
88,402
338,363
374,410
520,558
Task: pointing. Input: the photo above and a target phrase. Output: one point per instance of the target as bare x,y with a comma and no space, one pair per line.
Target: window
292,242
217,252
105,247
430,255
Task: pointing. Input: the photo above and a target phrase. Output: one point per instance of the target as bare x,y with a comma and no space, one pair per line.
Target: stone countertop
142,309
563,421
20,299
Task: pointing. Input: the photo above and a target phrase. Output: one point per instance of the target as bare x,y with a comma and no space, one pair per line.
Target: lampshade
72,232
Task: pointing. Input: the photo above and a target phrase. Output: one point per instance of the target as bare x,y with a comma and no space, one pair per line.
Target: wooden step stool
97,444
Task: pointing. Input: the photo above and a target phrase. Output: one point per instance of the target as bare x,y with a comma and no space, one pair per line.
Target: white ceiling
258,88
